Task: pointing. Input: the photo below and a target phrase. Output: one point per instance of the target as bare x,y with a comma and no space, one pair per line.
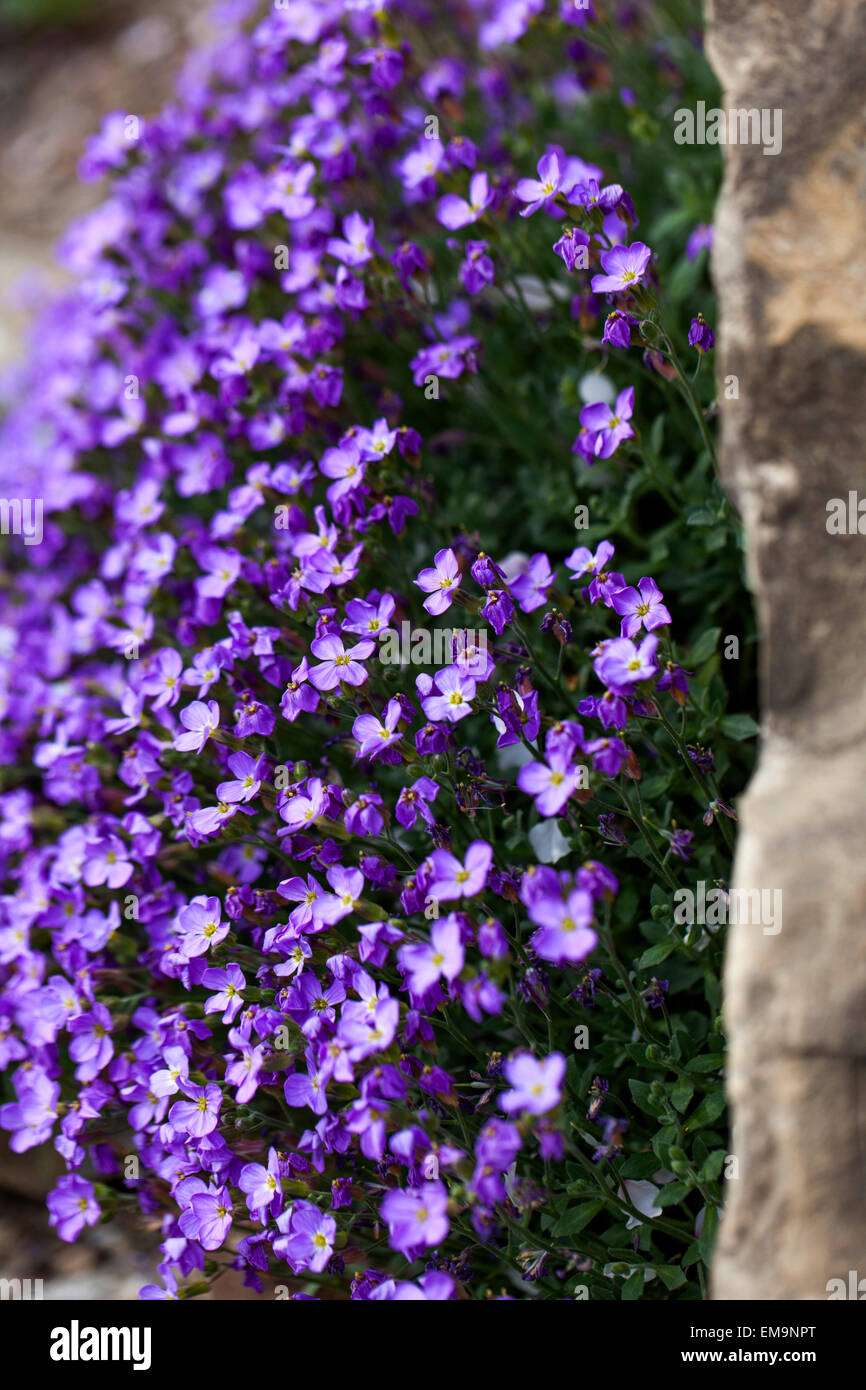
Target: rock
789,266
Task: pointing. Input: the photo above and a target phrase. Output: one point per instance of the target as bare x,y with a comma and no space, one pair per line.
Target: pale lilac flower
624,267
72,1206
357,244
201,927
454,212
348,886
416,1217
304,808
375,735
621,663
200,720
339,665
199,1113
609,424
248,773
167,1080
537,192
229,983
643,605
641,1195
564,932
441,582
308,1237
426,962
450,697
262,1185
551,783
449,879
536,1083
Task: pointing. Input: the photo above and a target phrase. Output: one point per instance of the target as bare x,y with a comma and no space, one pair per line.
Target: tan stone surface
790,267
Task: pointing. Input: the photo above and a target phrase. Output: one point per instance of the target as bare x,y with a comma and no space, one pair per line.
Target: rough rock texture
790,268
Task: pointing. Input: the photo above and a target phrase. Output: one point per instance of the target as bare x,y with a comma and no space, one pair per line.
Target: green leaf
682,1093
713,1166
671,1193
671,1276
640,1092
707,1238
656,954
705,646
738,726
712,1061
633,1286
709,1109
574,1220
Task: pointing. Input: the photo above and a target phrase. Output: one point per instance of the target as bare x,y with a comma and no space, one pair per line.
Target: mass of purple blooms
307,931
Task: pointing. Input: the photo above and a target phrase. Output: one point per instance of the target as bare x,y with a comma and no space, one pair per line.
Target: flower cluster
300,931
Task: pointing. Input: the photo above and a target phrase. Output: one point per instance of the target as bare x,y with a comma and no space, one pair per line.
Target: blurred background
63,65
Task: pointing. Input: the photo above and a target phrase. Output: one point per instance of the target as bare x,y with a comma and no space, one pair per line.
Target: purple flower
427,962
654,996
583,562
199,1113
537,192
72,1206
700,239
229,982
622,663
248,773
375,735
454,212
450,695
91,1045
608,755
701,336
641,606
477,270
200,720
617,328
108,862
529,587
551,783
416,1217
357,244
412,802
447,359
166,1081
201,927
610,426
536,1085
441,582
307,1239
339,665
564,934
208,1218
573,247
624,267
299,697
450,879
386,65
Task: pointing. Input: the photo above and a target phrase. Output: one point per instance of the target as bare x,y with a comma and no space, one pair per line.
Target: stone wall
791,273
